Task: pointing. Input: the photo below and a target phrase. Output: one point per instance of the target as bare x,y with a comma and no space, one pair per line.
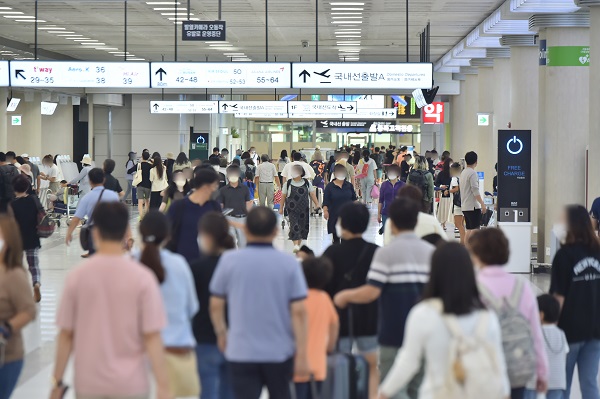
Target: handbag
277,196
46,226
183,374
375,192
137,179
85,233
365,171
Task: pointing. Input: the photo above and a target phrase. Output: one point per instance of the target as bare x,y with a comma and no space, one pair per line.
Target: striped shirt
401,270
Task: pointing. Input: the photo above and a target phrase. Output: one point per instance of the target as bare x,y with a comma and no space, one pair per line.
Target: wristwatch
56,383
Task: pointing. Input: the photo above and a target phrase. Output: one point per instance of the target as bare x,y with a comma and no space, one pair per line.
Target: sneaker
37,294
296,248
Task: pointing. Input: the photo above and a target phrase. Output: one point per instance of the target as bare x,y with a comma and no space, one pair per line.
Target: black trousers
248,379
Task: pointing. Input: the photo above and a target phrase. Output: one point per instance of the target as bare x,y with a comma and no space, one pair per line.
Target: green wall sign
568,56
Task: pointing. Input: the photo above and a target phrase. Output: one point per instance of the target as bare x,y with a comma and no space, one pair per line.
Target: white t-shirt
284,190
50,172
556,348
426,224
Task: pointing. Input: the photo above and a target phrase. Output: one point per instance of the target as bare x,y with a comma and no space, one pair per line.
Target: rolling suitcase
347,374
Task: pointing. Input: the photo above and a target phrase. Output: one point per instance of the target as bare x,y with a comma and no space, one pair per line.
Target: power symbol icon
514,142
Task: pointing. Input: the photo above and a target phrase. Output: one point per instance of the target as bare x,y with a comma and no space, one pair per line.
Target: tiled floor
57,260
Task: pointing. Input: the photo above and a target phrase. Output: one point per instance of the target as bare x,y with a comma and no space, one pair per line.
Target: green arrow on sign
483,120
16,120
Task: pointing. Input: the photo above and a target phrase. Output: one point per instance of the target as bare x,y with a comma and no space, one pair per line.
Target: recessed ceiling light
11,12
93,44
51,28
346,36
346,17
169,8
28,20
347,9
220,46
107,48
350,23
59,31
178,19
350,29
116,52
136,59
69,36
347,4
84,39
5,8
162,3
18,16
233,54
175,13
346,13
349,44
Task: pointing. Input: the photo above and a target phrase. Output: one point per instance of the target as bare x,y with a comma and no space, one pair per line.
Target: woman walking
178,188
158,177
17,308
420,177
214,239
182,162
442,183
459,218
25,209
389,190
180,300
144,188
576,284
337,193
296,196
130,167
367,167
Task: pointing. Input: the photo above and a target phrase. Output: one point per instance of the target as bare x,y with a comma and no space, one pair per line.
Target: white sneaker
296,248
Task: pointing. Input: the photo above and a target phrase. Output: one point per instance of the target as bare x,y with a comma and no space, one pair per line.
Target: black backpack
456,199
7,175
418,178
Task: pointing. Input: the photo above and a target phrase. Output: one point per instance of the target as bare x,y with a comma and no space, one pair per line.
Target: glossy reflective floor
57,260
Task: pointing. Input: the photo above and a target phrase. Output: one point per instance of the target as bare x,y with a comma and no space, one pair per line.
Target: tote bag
137,179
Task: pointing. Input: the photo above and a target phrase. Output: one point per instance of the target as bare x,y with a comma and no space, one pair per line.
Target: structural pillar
566,131
593,188
485,134
3,122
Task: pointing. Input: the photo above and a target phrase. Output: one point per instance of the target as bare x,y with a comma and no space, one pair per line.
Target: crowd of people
202,297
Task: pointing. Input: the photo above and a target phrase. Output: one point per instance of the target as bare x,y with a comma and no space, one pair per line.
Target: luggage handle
313,388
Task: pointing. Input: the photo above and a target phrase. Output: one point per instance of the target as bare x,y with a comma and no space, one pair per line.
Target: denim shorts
363,344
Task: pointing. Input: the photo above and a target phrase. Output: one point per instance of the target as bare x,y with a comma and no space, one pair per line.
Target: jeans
214,377
248,379
129,190
9,375
384,219
305,390
517,393
236,233
586,355
551,394
387,356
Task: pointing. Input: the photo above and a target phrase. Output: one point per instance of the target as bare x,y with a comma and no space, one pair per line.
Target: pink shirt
499,282
110,302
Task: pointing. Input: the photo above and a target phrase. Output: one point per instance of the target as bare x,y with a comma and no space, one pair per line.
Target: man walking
264,340
111,325
235,196
472,204
266,175
397,276
87,204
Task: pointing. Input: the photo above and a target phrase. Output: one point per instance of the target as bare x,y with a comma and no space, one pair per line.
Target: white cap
87,159
25,156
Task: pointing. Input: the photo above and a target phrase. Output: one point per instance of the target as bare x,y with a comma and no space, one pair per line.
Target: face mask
340,176
234,179
295,175
392,177
204,248
560,231
180,183
338,229
216,167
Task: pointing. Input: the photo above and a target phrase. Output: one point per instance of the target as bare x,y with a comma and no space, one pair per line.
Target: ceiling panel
151,35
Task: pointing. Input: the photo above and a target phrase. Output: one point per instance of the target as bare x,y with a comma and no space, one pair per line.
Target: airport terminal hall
308,199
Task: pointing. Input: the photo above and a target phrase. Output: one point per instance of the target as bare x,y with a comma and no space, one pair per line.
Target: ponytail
154,229
151,258
159,166
215,225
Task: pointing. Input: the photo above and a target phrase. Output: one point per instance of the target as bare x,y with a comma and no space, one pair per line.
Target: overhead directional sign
253,107
4,74
322,107
79,74
375,113
227,75
205,31
184,107
362,75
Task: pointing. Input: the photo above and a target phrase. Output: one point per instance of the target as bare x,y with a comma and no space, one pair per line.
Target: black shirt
351,263
111,183
146,183
404,170
444,179
203,270
576,276
26,210
234,198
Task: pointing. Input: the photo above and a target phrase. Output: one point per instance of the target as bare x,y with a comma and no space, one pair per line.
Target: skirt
444,207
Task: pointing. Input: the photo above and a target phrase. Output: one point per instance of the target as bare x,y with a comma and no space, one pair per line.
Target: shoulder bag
46,226
137,178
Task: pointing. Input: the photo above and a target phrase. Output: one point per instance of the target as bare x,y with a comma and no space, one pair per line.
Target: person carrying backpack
420,177
8,172
453,334
516,306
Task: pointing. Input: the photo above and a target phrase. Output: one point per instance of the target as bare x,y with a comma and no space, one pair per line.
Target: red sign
433,113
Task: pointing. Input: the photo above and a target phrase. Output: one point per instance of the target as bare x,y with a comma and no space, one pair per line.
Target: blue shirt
88,203
180,300
83,180
184,216
259,283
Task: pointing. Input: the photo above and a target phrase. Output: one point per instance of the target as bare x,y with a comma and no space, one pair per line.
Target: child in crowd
556,346
323,326
249,182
